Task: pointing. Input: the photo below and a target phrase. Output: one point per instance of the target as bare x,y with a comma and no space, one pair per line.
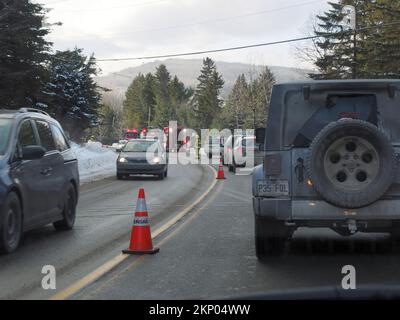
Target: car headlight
123,160
156,160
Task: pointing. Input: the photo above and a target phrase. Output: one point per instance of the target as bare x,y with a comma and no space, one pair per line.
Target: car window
61,143
5,128
138,146
26,135
300,128
45,135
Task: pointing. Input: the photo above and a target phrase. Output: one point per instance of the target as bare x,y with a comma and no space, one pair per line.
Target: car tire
120,176
161,176
69,212
345,188
11,224
270,237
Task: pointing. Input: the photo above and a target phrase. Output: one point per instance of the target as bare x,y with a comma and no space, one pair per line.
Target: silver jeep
331,160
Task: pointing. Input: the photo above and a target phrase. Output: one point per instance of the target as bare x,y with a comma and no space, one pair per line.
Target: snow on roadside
94,161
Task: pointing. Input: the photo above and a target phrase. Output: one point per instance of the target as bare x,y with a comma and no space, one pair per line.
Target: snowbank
94,161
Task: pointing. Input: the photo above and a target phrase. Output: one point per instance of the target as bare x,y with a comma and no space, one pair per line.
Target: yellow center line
136,262
112,263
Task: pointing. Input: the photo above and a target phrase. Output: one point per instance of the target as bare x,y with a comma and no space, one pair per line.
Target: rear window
304,119
139,146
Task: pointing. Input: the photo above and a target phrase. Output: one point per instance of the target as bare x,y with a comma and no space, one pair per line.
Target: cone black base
153,251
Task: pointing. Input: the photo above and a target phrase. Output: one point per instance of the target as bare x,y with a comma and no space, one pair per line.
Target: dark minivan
39,179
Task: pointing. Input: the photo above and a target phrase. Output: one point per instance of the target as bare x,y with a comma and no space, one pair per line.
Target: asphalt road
210,254
104,218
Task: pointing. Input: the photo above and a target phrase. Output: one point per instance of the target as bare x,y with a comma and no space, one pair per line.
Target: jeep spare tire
351,163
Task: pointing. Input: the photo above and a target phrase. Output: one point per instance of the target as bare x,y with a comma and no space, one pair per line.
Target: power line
140,4
55,2
208,21
326,35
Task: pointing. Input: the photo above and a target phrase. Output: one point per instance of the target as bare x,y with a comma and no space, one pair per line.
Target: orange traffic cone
221,174
141,242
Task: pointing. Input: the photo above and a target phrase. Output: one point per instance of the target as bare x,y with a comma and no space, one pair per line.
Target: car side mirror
260,135
33,152
119,150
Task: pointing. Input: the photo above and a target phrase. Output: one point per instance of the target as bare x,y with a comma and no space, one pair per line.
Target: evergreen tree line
155,99
371,51
247,104
31,75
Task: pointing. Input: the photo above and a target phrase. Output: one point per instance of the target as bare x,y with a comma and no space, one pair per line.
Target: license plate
273,188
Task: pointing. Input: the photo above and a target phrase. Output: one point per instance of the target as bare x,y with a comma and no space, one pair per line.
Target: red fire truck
131,134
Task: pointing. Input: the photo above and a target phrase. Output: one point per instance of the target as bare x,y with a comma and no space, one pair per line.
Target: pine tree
260,95
149,98
156,98
372,51
133,107
340,57
383,44
234,111
163,112
180,98
71,95
207,96
248,102
23,53
107,131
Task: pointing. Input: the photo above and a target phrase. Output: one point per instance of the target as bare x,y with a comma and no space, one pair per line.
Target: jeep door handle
47,171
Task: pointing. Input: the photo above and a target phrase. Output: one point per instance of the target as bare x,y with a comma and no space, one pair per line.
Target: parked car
39,179
142,156
332,160
243,148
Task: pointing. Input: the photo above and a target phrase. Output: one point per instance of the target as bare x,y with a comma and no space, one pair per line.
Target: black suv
331,160
39,179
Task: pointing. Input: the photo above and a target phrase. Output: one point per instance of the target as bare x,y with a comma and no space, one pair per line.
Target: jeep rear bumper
319,210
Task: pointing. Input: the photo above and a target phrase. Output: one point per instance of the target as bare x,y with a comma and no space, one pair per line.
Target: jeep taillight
273,165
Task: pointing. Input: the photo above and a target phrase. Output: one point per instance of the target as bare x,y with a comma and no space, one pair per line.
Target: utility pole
149,118
350,21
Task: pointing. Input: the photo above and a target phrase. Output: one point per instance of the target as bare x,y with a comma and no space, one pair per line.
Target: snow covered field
94,161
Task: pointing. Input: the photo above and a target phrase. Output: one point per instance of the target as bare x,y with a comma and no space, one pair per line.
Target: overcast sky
134,28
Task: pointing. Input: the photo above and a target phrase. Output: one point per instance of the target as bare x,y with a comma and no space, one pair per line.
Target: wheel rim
13,227
351,163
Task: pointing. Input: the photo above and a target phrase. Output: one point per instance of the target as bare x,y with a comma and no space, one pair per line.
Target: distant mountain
188,71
